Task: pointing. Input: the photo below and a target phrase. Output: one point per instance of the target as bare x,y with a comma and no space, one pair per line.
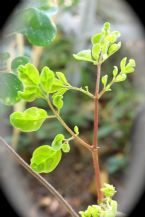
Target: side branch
46,184
82,142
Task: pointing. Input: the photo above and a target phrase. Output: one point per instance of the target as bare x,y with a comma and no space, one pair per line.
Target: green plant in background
27,84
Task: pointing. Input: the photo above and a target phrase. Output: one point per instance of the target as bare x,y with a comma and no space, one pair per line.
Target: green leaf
114,48
47,79
57,101
108,190
96,38
106,28
61,92
4,56
29,120
29,75
62,78
132,63
96,49
113,36
30,93
76,130
45,159
120,77
115,71
84,55
123,64
104,80
65,147
21,60
9,87
57,142
127,68
105,51
36,26
57,86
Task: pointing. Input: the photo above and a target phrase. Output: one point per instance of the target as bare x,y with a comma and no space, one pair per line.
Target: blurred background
120,110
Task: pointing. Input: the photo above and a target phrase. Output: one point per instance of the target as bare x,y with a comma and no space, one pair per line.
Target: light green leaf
123,64
61,92
57,101
106,28
10,85
45,159
47,79
57,142
29,120
57,86
114,48
113,36
76,130
62,78
115,71
29,75
120,77
96,49
108,190
65,147
127,68
104,80
36,26
30,93
84,55
96,38
132,63
105,51
21,60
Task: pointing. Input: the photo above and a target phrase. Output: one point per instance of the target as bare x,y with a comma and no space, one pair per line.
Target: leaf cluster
107,208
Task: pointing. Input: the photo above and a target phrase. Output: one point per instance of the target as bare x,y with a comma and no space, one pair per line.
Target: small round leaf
57,142
9,87
29,120
21,60
45,159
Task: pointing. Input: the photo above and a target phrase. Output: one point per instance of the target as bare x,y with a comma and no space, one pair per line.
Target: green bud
108,190
115,71
120,77
104,80
76,130
65,147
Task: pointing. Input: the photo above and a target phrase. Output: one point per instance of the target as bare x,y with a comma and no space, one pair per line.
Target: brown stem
82,142
95,138
46,184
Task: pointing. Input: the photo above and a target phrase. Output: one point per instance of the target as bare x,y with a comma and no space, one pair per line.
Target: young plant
28,84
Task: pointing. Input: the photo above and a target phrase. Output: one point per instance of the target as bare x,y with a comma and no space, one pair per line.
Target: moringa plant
28,84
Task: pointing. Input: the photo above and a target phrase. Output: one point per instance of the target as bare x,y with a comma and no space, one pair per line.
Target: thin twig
82,91
82,142
46,184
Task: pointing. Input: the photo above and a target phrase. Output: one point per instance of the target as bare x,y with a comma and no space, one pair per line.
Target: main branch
46,184
95,137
